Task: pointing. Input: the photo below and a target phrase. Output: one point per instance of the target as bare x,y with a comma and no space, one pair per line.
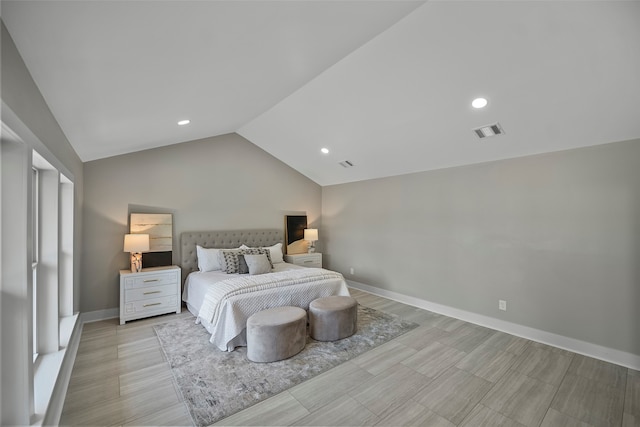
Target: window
51,219
36,278
34,256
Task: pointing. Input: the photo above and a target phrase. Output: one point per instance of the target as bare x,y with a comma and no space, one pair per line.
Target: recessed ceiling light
324,150
184,122
479,103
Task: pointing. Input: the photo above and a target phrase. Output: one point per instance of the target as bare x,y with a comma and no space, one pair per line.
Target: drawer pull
309,261
152,292
150,280
155,303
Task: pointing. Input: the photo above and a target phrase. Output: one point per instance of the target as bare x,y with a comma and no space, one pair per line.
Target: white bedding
222,303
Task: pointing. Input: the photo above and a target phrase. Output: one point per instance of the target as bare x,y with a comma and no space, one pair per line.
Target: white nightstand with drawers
305,260
153,291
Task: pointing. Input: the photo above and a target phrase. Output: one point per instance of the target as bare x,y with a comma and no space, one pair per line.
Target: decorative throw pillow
258,251
207,258
258,264
275,252
243,268
228,259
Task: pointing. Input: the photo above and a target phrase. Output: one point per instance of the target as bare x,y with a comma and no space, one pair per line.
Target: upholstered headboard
227,239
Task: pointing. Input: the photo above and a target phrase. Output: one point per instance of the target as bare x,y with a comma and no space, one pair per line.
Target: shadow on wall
103,256
102,259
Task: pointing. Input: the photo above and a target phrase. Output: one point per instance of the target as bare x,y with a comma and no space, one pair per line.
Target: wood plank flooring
444,373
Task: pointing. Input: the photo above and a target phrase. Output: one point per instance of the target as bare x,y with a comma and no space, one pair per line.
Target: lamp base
136,262
311,248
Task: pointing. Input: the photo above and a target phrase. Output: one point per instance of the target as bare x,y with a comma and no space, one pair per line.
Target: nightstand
153,291
305,260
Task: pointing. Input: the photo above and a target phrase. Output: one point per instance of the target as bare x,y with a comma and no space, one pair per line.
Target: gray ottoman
276,334
333,318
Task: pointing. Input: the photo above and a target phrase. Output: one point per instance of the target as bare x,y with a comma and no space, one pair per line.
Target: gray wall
556,235
20,93
224,182
25,111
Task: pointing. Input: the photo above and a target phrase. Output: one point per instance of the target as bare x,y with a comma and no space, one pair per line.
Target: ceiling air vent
346,164
489,130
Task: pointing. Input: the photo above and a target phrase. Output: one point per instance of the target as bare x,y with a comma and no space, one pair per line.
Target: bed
222,302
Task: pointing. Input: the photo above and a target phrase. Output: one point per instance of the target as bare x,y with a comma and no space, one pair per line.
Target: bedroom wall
556,235
223,182
20,94
25,111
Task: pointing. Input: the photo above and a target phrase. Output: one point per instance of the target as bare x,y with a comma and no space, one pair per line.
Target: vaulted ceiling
386,85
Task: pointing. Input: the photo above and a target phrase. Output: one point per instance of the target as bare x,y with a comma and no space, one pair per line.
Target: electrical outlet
352,270
502,305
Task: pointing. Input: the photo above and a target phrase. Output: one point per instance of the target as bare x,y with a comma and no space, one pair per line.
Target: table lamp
136,244
311,234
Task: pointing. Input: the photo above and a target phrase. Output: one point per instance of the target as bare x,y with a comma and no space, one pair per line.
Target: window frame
35,250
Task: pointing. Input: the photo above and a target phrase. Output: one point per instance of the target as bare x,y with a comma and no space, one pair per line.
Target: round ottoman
333,318
276,334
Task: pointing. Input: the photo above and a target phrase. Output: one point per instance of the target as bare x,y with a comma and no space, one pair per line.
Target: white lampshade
311,234
136,242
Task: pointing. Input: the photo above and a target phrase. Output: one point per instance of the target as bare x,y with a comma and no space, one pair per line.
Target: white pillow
207,258
276,253
258,264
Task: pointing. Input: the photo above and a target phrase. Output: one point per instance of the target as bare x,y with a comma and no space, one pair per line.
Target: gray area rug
217,384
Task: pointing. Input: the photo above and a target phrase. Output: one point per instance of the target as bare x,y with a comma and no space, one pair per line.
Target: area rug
217,384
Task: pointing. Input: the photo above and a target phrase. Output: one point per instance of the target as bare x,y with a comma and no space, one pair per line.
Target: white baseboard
96,316
606,354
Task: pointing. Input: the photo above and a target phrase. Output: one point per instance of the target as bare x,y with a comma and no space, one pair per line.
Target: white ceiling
384,84
118,75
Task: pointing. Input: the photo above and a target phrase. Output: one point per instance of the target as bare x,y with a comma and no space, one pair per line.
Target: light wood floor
444,373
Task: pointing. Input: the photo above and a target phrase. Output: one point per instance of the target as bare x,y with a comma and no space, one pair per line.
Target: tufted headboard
227,239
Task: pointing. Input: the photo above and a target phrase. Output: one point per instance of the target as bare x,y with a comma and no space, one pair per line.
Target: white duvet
222,303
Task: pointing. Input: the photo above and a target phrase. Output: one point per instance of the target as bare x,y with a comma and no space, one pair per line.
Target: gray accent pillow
258,264
258,251
229,258
243,268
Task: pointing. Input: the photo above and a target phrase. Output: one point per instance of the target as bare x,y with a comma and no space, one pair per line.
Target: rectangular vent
489,130
346,164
